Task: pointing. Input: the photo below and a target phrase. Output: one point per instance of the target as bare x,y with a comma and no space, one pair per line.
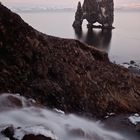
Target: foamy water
56,124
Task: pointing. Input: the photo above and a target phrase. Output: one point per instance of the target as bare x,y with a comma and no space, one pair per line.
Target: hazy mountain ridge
65,8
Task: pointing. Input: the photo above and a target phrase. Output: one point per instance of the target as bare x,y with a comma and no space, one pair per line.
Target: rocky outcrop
10,132
106,13
34,137
78,16
14,101
101,11
62,73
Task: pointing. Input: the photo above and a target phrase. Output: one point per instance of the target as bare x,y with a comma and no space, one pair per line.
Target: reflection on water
78,33
98,38
122,44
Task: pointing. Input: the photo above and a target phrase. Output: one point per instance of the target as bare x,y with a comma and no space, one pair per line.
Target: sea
56,17
122,43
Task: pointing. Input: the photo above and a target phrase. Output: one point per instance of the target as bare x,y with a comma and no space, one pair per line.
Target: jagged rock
90,11
9,133
106,13
78,16
101,11
11,101
23,134
62,73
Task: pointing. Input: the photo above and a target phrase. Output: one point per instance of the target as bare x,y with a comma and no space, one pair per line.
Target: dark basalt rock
35,137
11,101
78,16
62,73
93,11
9,132
138,127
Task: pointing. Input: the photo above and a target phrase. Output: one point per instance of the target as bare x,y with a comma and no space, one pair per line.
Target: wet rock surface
10,101
133,66
40,123
9,132
101,11
122,124
33,137
62,73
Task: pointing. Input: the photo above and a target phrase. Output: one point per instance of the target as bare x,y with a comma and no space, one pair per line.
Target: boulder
90,11
23,134
138,127
9,132
62,73
106,13
10,101
35,137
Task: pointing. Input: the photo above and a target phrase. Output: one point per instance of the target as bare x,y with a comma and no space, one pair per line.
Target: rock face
62,73
40,123
101,11
34,137
10,132
78,16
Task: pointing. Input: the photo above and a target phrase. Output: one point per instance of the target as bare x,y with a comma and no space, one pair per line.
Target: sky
64,2
40,2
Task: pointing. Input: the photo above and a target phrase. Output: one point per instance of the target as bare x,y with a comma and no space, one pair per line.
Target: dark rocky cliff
62,73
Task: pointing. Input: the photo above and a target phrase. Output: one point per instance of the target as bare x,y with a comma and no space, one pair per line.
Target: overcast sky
62,2
40,2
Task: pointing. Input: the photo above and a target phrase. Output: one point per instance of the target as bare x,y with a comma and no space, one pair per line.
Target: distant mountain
67,9
40,8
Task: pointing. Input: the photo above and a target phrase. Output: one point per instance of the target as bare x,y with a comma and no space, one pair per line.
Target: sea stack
78,16
100,11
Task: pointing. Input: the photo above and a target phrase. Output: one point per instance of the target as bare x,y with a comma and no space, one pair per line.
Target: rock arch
101,11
